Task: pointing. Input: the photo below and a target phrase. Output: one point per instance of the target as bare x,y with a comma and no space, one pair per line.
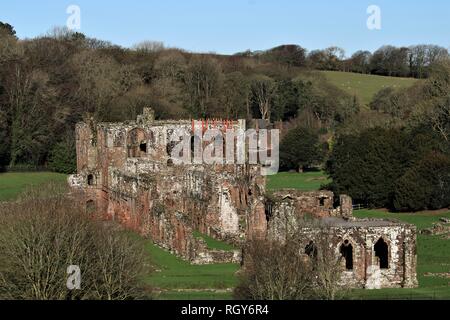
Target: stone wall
125,172
367,272
293,216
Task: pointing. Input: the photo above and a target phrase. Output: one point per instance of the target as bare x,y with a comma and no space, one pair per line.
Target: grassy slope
365,86
173,273
12,184
308,181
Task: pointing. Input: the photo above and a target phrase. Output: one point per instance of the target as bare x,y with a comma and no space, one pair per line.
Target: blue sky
229,26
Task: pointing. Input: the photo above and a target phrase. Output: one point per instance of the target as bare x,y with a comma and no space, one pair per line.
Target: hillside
365,86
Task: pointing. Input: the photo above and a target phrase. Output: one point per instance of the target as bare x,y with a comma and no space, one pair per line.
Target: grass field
365,86
174,278
433,254
308,181
177,279
12,184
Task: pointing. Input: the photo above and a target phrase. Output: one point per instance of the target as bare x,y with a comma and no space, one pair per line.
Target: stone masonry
127,175
376,253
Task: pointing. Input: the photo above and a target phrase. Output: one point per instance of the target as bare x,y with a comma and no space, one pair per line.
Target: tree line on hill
395,155
413,61
404,164
49,83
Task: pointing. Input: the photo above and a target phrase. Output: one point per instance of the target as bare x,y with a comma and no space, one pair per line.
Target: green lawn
173,273
12,184
365,86
195,295
433,254
422,220
308,181
177,279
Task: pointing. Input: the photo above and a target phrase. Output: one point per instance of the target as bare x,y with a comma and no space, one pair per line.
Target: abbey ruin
127,175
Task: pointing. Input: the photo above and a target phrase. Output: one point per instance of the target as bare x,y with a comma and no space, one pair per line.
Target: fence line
359,206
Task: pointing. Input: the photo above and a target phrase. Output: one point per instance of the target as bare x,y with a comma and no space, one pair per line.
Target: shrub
300,149
45,232
280,271
384,168
366,166
63,157
425,185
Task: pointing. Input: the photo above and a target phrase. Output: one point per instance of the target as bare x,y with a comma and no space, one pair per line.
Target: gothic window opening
195,146
268,210
311,249
347,253
90,180
136,143
322,202
192,146
143,147
382,252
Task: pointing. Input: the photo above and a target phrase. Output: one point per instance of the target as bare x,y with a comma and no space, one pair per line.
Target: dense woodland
49,83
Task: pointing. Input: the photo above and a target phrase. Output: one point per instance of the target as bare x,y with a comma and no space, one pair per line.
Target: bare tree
45,232
263,88
149,46
235,93
274,271
440,118
171,65
202,81
327,267
100,80
286,270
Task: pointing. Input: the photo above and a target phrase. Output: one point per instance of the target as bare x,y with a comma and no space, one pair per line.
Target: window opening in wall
347,252
382,252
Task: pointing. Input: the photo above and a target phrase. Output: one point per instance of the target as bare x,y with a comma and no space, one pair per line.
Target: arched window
90,179
322,201
195,146
136,143
311,249
382,252
268,210
347,252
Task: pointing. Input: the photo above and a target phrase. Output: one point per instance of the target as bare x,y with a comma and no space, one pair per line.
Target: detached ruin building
127,175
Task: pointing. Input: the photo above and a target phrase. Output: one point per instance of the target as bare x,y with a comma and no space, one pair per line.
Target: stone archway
382,253
346,251
137,143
